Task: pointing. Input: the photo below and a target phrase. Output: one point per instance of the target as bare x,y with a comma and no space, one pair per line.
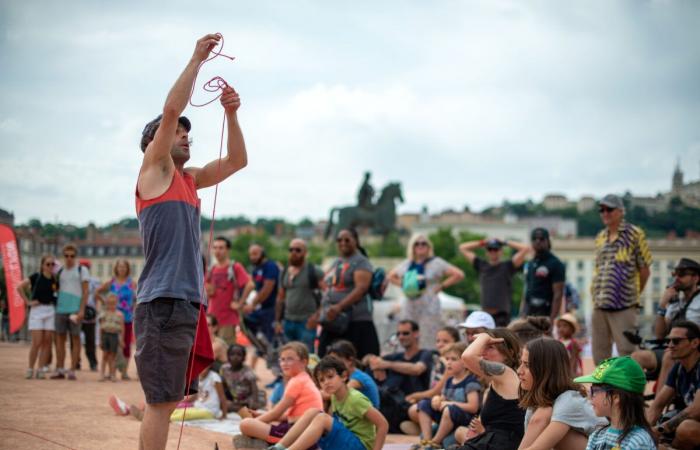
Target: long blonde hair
412,242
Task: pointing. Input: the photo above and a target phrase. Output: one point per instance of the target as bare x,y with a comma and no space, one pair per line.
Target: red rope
215,84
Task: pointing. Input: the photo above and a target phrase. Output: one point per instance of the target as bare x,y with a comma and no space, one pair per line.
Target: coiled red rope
213,85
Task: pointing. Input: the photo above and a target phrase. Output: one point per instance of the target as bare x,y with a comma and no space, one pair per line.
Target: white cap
478,319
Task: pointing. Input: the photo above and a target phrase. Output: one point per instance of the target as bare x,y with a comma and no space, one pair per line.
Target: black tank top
500,414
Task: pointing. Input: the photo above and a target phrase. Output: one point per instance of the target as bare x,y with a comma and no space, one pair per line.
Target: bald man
260,313
299,297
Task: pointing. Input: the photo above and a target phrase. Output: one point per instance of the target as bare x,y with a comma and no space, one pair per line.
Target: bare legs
155,426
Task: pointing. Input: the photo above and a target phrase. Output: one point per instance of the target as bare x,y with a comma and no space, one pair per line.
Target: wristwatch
660,311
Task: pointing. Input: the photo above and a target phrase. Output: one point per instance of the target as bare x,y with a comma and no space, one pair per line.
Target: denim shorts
164,330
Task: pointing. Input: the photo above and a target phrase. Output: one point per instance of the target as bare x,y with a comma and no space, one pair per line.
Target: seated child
357,379
111,331
458,404
352,423
240,381
300,395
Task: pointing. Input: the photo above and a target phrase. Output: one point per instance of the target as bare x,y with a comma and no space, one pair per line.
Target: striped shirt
169,226
616,275
607,439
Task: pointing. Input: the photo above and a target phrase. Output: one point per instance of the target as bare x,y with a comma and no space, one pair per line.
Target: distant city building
585,204
556,201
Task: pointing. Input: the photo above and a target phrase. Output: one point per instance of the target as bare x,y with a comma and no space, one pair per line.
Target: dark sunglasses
492,249
340,239
675,340
403,333
682,273
539,238
68,255
295,249
595,388
605,209
420,244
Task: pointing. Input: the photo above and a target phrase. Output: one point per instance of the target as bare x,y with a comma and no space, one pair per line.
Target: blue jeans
295,330
261,320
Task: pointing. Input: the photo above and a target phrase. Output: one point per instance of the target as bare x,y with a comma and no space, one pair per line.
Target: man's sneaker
410,428
118,406
29,374
242,441
40,374
58,375
136,412
71,375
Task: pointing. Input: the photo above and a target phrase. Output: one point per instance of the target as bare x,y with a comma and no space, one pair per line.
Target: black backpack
313,282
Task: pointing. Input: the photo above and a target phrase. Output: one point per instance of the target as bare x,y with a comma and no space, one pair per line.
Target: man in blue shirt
260,313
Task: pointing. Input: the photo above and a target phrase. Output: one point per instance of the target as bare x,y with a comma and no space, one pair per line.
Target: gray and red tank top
170,231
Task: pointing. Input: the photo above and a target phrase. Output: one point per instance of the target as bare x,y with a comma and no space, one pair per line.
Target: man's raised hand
230,100
204,46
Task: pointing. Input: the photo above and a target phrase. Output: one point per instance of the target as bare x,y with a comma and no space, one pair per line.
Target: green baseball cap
622,372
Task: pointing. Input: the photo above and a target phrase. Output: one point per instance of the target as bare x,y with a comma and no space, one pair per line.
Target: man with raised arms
168,209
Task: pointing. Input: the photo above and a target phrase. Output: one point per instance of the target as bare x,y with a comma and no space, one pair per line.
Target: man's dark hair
692,330
224,240
329,364
414,324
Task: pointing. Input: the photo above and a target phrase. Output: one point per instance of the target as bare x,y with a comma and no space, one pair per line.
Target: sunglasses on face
682,273
539,238
492,249
403,333
675,340
605,209
68,255
420,244
342,239
50,264
596,388
295,250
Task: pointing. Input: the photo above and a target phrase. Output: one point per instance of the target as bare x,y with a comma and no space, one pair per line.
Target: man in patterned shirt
621,271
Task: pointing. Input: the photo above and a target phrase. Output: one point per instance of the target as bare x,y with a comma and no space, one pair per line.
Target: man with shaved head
260,313
298,297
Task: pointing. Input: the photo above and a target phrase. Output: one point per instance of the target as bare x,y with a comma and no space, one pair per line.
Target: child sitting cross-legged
456,406
352,423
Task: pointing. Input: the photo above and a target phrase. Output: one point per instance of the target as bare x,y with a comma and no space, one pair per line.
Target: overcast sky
463,102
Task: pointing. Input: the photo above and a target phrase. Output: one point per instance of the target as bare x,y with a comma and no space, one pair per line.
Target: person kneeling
352,423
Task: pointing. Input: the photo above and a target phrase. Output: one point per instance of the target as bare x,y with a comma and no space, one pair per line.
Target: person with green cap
617,392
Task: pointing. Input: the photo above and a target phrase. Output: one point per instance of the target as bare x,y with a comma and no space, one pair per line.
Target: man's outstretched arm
236,156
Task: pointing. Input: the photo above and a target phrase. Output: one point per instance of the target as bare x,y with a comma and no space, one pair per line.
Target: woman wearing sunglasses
422,276
42,302
346,309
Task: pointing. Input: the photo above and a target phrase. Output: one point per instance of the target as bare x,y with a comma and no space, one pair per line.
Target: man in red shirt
228,285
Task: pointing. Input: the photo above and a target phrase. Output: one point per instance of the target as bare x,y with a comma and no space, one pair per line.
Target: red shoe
58,376
118,406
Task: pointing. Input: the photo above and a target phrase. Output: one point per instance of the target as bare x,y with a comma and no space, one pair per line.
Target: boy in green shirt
354,424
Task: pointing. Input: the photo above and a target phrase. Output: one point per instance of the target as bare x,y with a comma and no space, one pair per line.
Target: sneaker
136,412
71,375
242,441
410,428
29,374
40,374
118,406
58,376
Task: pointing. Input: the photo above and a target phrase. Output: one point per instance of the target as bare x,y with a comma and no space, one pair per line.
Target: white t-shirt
208,397
572,409
70,289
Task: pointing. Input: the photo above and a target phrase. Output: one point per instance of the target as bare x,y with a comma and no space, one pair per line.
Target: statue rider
366,194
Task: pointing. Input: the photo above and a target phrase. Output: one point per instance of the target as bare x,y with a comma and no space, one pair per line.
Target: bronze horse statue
381,216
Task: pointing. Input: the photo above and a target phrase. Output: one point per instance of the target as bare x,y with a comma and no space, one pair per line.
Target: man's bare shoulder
154,179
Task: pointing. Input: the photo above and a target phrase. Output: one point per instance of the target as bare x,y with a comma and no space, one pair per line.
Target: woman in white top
421,276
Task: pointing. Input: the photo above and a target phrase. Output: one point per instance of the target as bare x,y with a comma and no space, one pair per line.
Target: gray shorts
64,325
109,342
164,329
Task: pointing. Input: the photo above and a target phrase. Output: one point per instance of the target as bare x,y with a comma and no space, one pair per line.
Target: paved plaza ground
76,415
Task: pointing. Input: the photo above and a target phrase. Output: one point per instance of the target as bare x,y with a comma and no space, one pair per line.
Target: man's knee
166,408
645,358
688,432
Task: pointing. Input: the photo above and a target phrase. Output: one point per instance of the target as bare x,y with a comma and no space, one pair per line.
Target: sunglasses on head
605,209
420,244
295,250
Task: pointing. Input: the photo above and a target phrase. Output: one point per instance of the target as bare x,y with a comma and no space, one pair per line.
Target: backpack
231,277
414,282
378,284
